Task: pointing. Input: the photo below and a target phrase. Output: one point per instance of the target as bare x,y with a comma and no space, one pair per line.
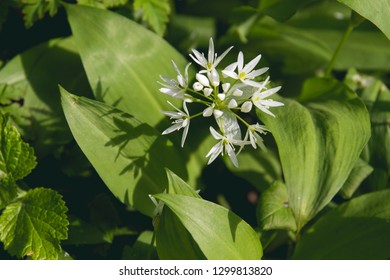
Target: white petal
207,91
213,77
214,152
232,104
240,61
221,96
231,67
215,134
256,73
200,59
211,51
225,87
264,109
271,103
197,86
237,92
218,60
231,154
269,92
252,83
208,112
246,107
230,74
186,125
217,113
252,64
172,128
203,80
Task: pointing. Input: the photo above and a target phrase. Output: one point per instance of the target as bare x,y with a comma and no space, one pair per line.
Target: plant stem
337,51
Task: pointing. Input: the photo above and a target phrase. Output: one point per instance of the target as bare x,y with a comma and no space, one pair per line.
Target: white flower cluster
225,94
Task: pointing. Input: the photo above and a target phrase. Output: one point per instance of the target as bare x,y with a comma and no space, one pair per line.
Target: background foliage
320,191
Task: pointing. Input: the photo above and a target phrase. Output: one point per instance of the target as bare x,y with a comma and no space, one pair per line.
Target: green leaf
141,249
17,159
176,185
103,4
124,75
218,232
81,233
375,11
282,10
34,225
129,155
34,10
273,210
358,229
153,12
33,100
318,143
359,172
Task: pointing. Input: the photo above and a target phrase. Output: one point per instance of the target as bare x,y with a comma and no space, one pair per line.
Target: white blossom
180,120
212,60
175,88
245,74
260,101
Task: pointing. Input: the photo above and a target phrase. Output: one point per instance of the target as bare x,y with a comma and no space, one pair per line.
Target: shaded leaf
358,229
359,172
273,210
176,185
141,249
318,143
375,11
129,156
218,232
282,9
33,100
34,225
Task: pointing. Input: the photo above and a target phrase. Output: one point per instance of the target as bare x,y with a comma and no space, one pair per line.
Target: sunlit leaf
218,232
130,156
34,225
319,142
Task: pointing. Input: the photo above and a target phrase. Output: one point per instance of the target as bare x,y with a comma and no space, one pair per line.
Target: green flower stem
337,51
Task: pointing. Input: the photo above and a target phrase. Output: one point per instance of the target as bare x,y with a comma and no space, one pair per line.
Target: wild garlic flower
226,95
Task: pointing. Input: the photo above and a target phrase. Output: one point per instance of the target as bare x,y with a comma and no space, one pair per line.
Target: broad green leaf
34,225
129,156
273,210
123,65
218,232
282,9
260,168
375,11
34,10
29,92
176,185
17,159
358,229
81,233
153,12
319,142
173,240
359,172
142,249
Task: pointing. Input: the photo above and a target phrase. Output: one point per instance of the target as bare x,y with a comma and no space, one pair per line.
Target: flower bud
246,107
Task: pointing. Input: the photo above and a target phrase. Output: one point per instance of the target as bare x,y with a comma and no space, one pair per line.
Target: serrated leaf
358,229
318,143
273,210
375,11
218,232
103,4
8,190
34,10
154,12
130,156
34,225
